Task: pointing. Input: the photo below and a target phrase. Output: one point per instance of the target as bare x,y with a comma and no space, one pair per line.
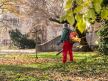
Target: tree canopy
85,10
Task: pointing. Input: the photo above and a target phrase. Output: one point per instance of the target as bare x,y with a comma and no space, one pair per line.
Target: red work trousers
67,48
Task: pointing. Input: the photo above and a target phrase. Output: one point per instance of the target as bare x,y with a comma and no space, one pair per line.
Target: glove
58,43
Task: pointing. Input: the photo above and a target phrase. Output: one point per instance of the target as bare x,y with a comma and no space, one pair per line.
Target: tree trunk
84,43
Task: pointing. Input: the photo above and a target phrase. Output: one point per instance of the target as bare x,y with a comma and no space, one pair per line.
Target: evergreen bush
103,42
21,40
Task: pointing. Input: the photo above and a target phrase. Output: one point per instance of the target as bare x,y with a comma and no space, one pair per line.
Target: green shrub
103,43
21,40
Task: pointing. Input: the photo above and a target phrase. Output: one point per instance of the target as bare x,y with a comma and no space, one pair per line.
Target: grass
88,66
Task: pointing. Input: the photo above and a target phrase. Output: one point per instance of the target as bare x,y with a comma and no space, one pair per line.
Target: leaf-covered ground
48,66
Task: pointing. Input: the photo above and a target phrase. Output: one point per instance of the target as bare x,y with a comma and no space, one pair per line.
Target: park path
26,51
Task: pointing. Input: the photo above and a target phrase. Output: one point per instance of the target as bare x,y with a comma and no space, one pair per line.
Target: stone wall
50,45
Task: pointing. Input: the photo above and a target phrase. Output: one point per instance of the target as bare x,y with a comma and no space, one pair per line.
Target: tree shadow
16,68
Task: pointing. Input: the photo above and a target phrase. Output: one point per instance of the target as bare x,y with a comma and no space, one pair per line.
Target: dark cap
65,25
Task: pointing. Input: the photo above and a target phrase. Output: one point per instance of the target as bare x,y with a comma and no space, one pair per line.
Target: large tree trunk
85,46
